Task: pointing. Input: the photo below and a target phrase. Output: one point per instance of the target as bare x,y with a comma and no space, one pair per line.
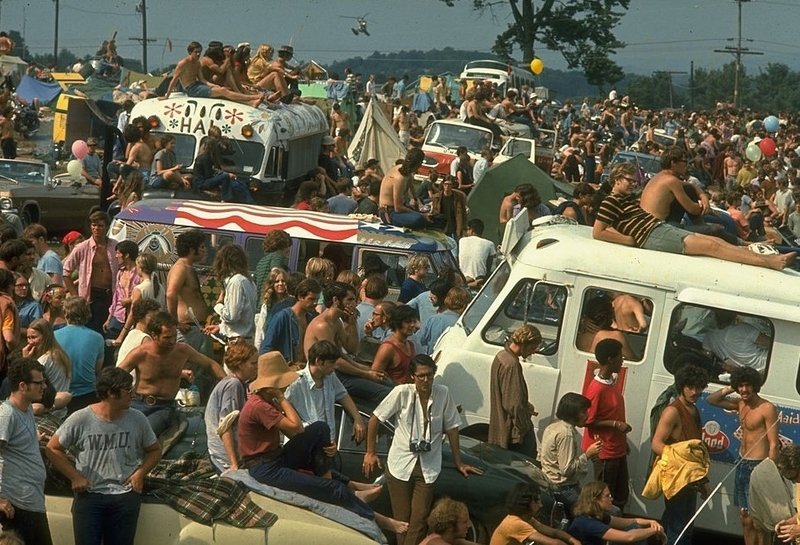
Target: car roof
301,224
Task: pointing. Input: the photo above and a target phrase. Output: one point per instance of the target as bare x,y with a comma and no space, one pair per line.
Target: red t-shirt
607,404
258,432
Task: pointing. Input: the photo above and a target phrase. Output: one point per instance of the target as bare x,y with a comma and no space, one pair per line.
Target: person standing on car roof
425,412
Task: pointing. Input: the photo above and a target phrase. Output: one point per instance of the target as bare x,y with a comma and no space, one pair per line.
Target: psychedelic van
351,243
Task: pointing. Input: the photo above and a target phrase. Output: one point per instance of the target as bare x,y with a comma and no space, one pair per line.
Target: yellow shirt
512,531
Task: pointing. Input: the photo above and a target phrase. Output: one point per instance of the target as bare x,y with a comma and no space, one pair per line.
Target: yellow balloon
74,168
537,66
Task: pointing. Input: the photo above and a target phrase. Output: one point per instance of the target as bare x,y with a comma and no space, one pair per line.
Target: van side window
214,241
718,341
254,247
486,297
531,302
607,314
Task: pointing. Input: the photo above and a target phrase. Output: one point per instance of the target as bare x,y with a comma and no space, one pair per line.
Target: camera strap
425,421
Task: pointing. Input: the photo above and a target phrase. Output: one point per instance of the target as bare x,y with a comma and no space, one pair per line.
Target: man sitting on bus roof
194,84
620,219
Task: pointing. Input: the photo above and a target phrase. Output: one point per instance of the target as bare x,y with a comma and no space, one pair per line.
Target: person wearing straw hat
267,414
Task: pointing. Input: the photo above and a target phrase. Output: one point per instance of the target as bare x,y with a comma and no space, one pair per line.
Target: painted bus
274,146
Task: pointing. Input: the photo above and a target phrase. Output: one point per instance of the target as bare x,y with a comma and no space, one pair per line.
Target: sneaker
763,249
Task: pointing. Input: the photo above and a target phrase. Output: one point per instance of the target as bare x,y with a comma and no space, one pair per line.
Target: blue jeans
567,495
304,451
106,518
232,189
159,416
414,220
677,512
364,388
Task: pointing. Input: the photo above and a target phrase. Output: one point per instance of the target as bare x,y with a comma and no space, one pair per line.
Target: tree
581,30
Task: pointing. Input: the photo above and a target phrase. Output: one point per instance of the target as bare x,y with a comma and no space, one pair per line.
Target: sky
661,35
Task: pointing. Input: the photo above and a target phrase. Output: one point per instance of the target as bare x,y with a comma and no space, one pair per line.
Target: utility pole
691,86
737,52
669,77
142,8
55,39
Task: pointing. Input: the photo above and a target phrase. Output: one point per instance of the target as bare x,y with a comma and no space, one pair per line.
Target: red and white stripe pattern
262,219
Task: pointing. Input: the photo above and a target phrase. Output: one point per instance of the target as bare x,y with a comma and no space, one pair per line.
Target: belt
152,400
253,461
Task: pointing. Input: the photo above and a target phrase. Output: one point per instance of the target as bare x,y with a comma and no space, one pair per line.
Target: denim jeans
677,512
304,451
364,388
106,518
414,220
159,416
232,190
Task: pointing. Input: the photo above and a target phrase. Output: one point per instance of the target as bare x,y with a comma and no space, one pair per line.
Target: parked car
444,137
28,190
484,495
660,137
648,165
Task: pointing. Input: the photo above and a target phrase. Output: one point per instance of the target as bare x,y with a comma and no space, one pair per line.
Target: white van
546,279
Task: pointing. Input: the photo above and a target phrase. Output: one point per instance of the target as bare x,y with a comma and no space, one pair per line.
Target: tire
477,532
28,216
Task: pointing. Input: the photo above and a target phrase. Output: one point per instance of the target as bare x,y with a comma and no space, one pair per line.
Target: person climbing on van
621,220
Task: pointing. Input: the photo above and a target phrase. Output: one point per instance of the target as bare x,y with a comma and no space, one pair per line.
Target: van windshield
452,136
246,157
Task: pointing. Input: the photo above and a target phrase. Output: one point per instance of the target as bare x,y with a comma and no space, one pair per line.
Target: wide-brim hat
273,372
286,49
91,141
328,140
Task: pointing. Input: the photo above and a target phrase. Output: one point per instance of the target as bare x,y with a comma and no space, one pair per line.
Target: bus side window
254,247
531,302
718,341
307,250
615,315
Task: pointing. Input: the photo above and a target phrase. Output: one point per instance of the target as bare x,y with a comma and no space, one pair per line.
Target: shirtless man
217,67
402,124
194,84
339,119
668,186
337,324
183,288
732,165
680,421
140,154
97,256
759,425
396,185
159,367
507,210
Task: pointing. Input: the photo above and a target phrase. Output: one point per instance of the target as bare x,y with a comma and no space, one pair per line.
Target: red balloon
767,146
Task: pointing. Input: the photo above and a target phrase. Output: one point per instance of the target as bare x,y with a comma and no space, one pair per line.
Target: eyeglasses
424,376
21,285
605,495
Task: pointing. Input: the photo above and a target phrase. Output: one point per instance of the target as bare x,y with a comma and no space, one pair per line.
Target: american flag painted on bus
262,219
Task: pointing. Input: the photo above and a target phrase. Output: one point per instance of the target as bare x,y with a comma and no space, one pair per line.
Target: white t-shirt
737,343
473,251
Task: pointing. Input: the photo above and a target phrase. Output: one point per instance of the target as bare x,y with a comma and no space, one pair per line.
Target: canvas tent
10,63
498,181
376,139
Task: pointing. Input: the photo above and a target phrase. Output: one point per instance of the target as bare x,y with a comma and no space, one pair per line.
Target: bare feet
356,485
369,495
390,524
256,101
781,261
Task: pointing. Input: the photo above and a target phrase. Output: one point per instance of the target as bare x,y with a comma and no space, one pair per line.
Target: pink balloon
80,149
767,146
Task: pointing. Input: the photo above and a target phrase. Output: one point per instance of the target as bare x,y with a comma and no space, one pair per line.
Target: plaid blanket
185,485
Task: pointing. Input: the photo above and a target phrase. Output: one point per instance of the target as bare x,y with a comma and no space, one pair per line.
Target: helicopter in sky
361,24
